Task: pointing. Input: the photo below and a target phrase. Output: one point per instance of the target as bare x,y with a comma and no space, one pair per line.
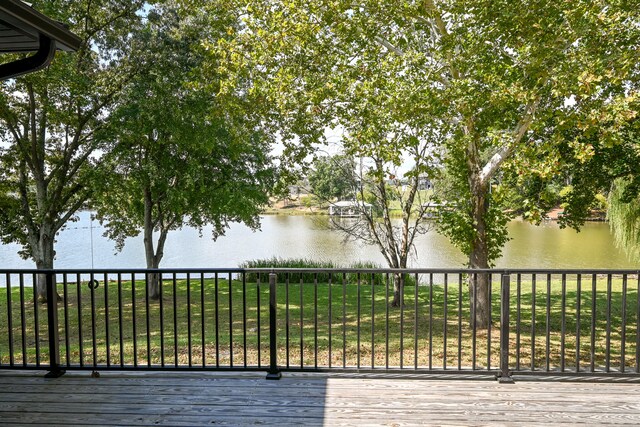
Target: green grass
241,306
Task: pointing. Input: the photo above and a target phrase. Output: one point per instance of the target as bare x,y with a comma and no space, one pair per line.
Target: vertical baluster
9,319
533,322
120,330
147,319
563,322
174,283
286,315
344,320
258,321
106,318
430,320
373,324
415,322
474,322
217,318
444,327
80,322
518,317
230,321
608,351
490,321
203,335
36,319
92,293
386,337
189,338
623,332
161,307
594,297
505,375
302,321
330,292
548,324
638,323
134,321
578,320
401,319
459,321
24,326
244,318
52,322
274,371
1,363
358,321
315,320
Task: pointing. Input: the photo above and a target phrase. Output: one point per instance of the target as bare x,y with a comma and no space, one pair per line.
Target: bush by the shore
320,276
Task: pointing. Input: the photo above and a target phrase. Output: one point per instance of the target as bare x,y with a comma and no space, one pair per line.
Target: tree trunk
153,262
153,286
479,259
398,290
43,256
153,255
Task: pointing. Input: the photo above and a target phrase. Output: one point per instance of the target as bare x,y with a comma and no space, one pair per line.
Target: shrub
322,277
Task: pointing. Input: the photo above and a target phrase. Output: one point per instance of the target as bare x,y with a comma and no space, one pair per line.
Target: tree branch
518,133
384,42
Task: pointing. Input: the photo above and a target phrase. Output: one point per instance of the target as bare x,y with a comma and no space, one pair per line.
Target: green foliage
624,217
482,84
585,164
333,177
600,204
455,222
51,123
308,201
181,155
320,276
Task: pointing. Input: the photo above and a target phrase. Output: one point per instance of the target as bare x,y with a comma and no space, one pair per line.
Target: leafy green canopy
479,81
182,155
333,177
50,123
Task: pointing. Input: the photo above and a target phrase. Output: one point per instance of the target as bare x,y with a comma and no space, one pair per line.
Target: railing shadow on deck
544,322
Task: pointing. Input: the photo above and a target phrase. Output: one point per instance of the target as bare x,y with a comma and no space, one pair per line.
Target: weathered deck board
210,399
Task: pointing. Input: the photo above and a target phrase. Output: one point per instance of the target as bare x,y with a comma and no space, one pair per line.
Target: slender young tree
382,191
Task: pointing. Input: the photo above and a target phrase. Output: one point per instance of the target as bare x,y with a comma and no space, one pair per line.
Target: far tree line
170,111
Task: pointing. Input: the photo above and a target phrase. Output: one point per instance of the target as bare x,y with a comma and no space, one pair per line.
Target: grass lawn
329,324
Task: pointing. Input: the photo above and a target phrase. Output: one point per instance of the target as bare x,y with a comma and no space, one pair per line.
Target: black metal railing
538,321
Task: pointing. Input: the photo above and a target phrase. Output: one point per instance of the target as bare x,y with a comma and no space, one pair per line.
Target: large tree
483,77
182,155
50,123
517,80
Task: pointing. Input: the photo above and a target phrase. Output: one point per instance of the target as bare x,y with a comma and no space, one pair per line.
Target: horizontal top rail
322,270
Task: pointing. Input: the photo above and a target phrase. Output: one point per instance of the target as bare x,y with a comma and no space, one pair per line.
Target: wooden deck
248,399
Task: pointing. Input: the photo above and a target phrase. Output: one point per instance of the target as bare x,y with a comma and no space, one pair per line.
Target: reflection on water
546,246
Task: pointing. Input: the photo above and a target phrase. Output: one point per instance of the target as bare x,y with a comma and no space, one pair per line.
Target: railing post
504,376
274,372
52,326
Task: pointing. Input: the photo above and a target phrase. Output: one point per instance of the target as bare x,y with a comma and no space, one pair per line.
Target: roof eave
22,15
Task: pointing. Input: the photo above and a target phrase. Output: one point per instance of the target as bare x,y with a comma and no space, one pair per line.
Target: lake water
545,246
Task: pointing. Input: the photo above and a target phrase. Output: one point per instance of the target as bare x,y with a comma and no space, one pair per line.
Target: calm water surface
545,246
